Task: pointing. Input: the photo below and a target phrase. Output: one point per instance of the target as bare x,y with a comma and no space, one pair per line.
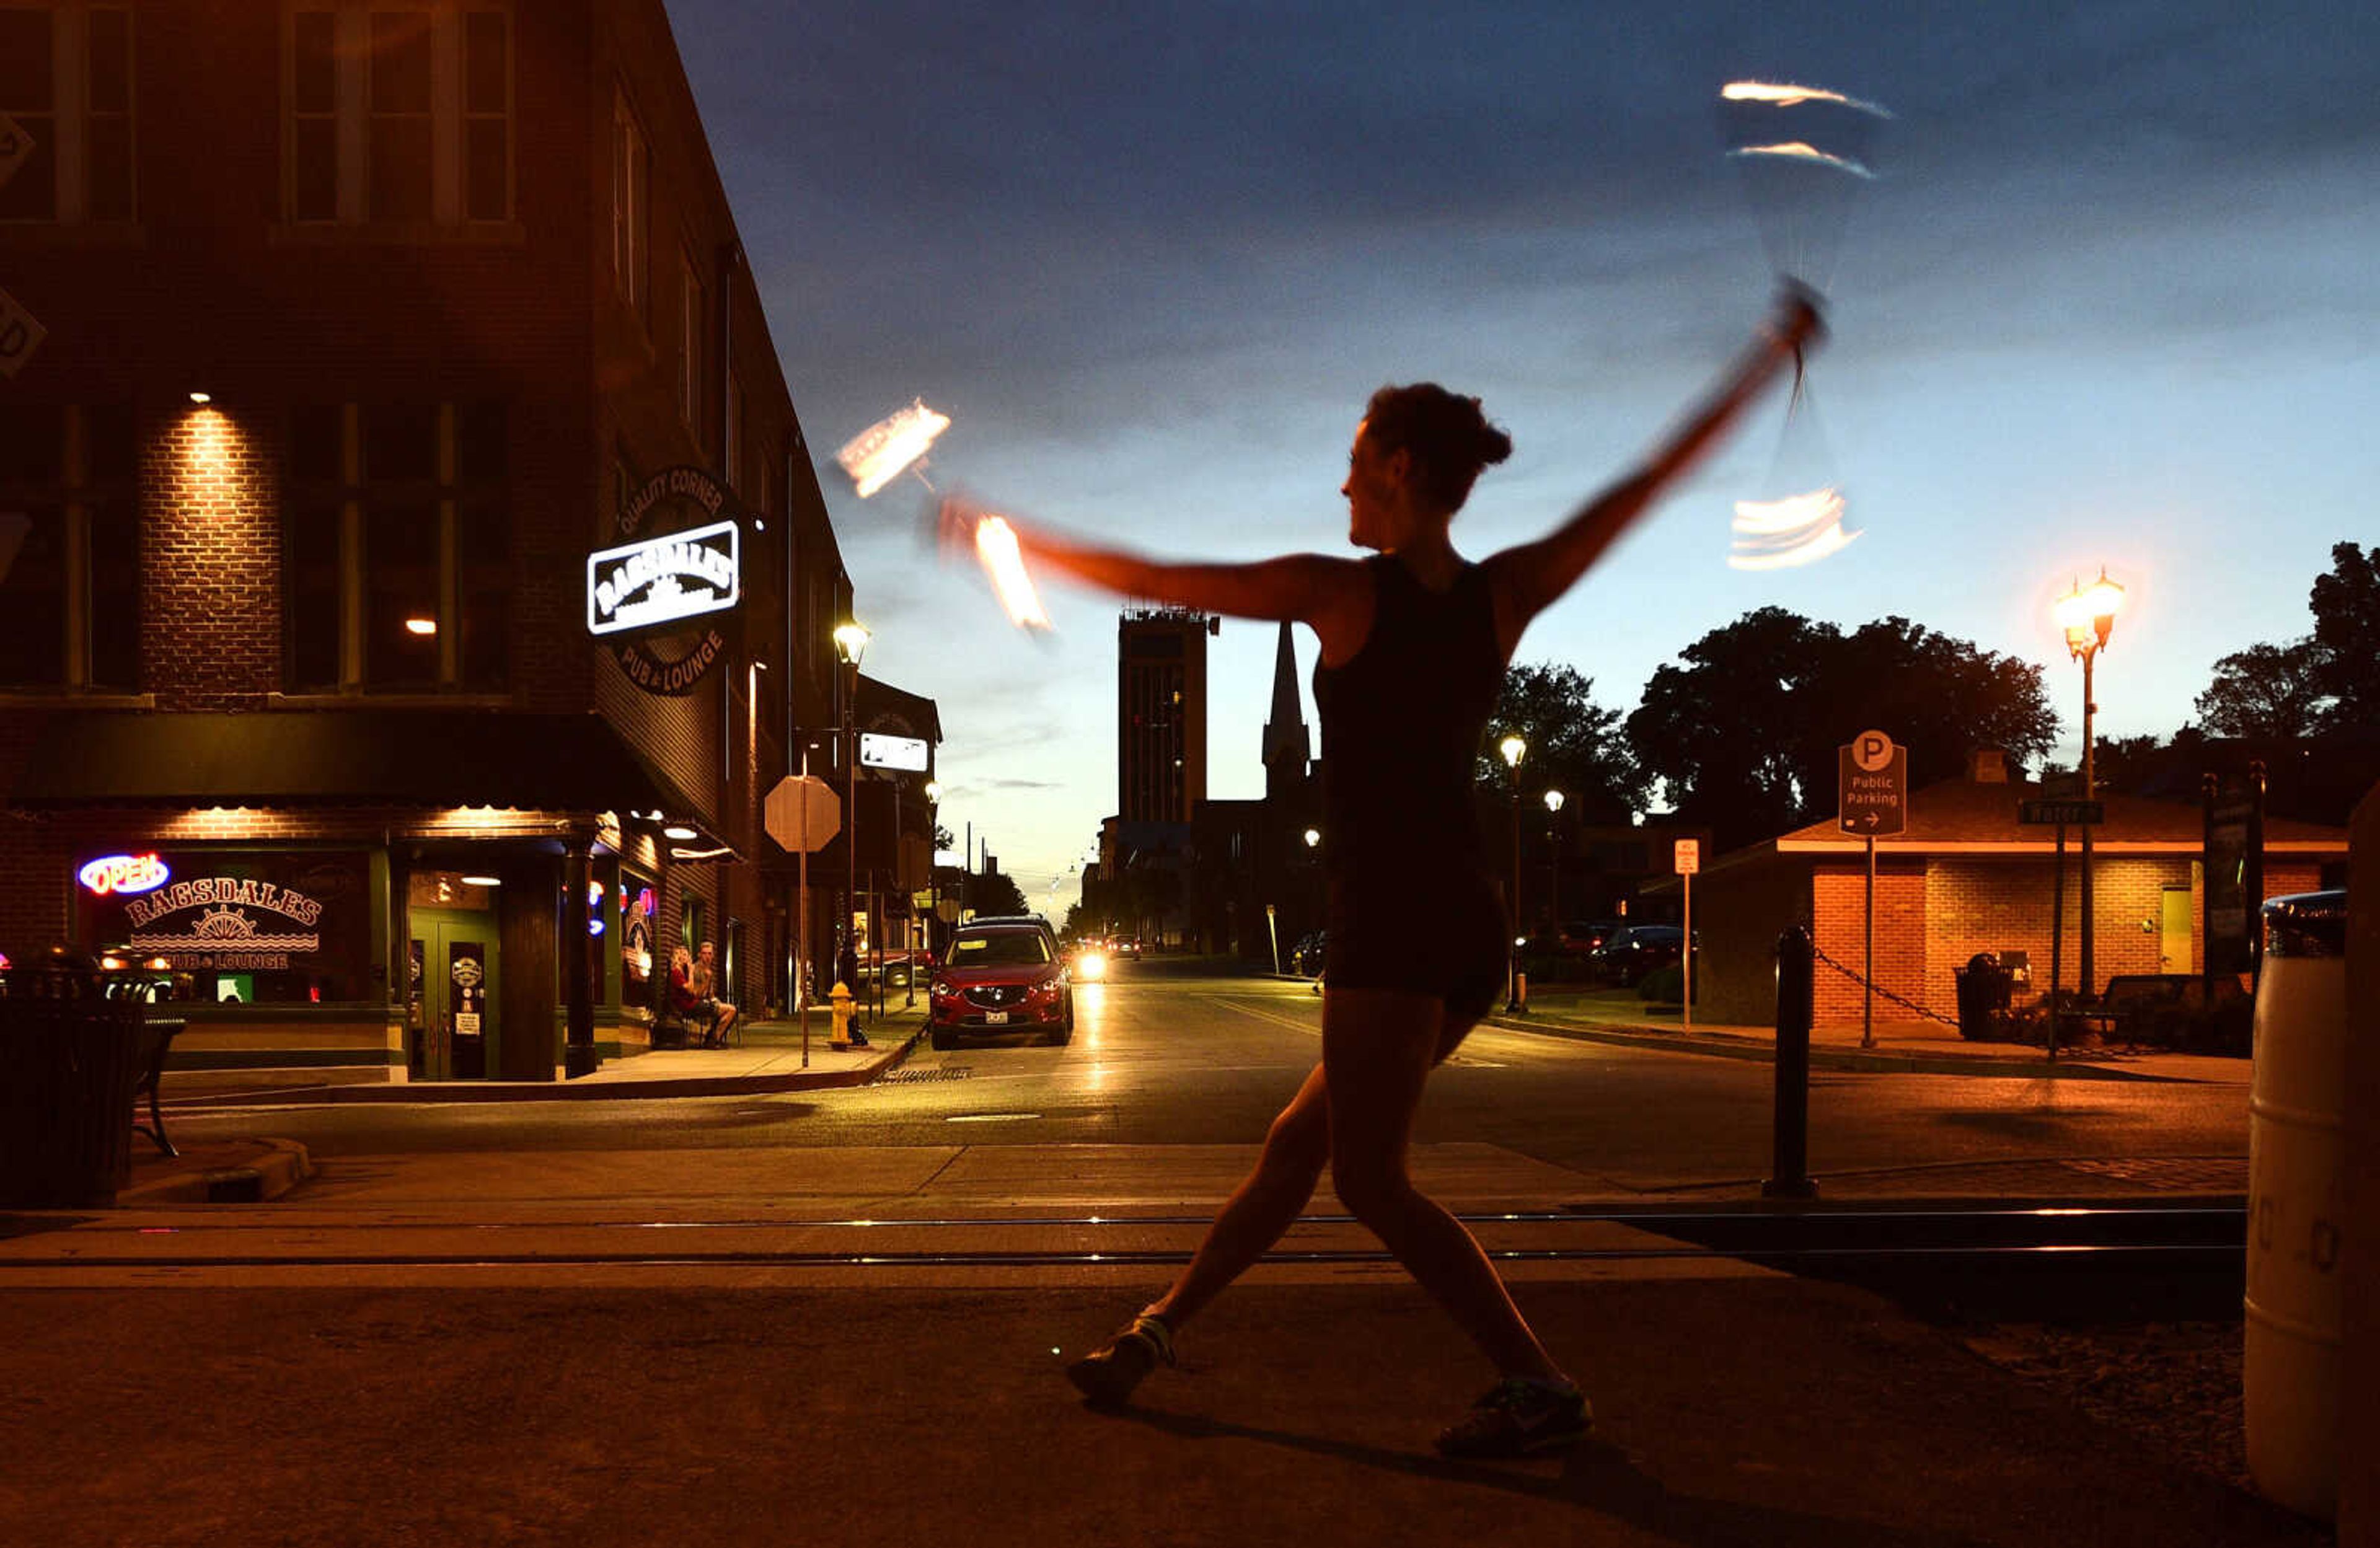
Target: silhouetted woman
1414,641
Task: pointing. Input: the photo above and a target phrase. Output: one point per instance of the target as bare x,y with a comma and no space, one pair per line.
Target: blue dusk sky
2108,300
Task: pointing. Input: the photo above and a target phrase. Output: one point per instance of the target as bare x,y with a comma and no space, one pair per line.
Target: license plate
995,1018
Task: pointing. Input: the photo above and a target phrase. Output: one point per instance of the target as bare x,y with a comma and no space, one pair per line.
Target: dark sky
2107,301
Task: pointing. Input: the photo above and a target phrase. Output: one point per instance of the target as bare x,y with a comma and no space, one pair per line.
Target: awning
399,758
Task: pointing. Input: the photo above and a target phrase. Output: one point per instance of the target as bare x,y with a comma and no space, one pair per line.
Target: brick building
1968,876
368,327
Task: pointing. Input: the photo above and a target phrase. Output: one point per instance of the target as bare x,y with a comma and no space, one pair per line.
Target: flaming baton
1803,152
892,447
1004,560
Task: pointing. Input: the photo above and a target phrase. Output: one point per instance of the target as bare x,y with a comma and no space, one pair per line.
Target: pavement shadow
1599,1477
13,1226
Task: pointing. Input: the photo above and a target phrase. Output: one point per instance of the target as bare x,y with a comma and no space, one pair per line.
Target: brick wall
210,559
1839,895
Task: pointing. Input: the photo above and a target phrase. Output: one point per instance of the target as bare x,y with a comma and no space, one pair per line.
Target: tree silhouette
1575,745
1744,733
2268,693
2345,606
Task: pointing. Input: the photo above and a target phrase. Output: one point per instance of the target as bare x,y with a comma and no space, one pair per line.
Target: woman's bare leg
1266,1202
1378,1048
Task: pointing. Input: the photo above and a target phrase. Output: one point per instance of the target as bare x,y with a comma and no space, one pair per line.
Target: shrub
1667,986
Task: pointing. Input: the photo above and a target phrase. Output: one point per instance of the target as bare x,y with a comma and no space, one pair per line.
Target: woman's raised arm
1299,588
1530,577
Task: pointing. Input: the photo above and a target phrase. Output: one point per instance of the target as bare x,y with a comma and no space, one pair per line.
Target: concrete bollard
2296,1204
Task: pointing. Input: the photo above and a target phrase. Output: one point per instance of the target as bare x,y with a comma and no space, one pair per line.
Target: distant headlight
1091,966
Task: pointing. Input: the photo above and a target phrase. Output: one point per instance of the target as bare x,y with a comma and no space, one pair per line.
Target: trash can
1983,987
2297,1207
69,1059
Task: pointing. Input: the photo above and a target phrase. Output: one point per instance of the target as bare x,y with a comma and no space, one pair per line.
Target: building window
66,82
398,114
69,548
689,343
397,549
631,191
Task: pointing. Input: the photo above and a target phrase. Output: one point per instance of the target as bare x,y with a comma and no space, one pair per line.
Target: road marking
989,1118
1231,1004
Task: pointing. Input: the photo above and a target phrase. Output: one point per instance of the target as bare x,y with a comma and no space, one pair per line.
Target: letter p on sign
1872,752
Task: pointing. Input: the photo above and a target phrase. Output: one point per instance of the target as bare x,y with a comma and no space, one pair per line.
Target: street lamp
851,643
1516,748
2088,613
1554,800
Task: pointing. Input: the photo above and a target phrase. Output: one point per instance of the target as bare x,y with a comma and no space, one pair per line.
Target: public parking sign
1872,787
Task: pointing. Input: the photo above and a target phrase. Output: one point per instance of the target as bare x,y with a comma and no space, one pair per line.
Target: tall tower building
1161,713
1288,750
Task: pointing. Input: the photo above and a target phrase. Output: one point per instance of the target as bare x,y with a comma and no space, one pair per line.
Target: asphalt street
1170,1061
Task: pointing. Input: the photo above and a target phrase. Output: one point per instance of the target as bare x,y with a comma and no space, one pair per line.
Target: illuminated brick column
210,587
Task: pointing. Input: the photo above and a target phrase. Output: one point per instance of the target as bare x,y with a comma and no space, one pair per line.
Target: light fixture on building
417,625
677,830
483,881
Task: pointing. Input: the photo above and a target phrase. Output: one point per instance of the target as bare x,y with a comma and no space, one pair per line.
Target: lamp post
933,871
2088,614
1514,748
1554,800
851,643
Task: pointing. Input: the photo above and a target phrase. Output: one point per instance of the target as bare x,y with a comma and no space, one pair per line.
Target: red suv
1000,978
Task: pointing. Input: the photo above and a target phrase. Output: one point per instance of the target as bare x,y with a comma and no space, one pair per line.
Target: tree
995,892
1575,745
2345,606
2268,693
1744,733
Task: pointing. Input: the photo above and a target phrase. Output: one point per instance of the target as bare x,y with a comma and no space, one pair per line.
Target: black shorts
1446,939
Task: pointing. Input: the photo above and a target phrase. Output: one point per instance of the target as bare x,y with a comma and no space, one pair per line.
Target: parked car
1001,976
1583,938
1634,950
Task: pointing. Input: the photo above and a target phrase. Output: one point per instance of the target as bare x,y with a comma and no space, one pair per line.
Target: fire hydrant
842,1008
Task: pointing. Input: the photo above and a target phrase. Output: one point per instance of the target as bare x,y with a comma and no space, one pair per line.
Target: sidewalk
1907,1047
766,1056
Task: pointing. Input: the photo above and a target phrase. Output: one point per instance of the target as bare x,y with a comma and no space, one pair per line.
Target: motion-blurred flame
884,449
1783,533
1792,96
1802,151
995,544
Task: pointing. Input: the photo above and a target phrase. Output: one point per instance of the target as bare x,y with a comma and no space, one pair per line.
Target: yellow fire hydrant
841,1010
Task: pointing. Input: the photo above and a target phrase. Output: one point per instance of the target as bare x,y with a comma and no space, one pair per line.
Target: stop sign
802,814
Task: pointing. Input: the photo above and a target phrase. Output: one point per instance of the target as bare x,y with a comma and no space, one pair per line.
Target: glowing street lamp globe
851,642
2088,613
1513,748
1554,800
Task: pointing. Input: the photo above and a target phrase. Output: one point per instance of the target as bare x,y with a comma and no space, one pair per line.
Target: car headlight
1091,965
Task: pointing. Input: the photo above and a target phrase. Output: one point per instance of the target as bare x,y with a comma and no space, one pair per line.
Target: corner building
365,328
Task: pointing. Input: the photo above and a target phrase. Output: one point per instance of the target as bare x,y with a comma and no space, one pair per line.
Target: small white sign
1689,856
892,751
664,580
20,333
467,1024
15,146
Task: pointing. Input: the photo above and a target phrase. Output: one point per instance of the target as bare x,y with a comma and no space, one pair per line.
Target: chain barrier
1857,977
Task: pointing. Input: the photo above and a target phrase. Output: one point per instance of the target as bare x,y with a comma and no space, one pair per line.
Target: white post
1686,957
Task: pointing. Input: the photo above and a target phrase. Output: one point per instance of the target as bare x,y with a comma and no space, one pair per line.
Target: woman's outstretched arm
1528,578
1301,587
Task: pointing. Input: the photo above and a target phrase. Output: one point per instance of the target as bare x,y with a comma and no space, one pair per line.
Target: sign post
801,814
1872,800
2059,808
1687,856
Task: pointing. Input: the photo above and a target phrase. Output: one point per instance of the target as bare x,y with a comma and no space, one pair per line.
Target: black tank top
1400,727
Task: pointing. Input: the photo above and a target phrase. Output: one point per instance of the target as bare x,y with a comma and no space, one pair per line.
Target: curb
1719,1046
283,1167
562,1091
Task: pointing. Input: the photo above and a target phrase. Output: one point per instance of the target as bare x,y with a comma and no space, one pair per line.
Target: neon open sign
123,873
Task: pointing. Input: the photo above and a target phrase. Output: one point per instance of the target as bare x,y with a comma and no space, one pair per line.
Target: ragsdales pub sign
685,564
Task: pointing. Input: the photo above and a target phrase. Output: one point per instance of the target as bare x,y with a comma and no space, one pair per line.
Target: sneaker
1519,1418
1107,1376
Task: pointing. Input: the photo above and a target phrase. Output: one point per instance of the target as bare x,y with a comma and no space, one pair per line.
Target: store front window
250,927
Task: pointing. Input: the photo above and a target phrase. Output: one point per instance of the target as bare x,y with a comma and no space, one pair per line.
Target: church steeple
1286,747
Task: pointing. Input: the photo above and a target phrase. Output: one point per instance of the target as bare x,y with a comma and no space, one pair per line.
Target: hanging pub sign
648,597
250,925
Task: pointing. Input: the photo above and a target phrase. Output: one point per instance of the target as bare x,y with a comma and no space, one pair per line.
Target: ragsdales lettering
232,892
664,580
